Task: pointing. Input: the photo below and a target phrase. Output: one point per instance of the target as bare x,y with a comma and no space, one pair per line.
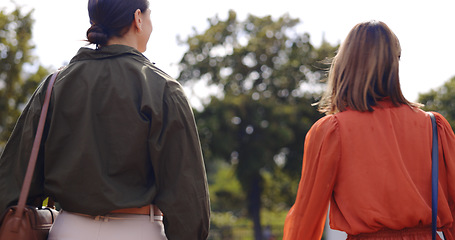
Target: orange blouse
375,170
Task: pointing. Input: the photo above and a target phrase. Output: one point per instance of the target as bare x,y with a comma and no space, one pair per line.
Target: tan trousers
71,226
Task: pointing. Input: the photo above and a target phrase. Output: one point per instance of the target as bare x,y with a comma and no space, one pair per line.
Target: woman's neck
123,40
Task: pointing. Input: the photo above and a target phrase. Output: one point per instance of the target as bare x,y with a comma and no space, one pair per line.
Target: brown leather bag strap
35,149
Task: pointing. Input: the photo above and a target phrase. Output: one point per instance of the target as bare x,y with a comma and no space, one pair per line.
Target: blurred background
251,69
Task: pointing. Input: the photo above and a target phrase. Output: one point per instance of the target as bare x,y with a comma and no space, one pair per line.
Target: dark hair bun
97,35
111,18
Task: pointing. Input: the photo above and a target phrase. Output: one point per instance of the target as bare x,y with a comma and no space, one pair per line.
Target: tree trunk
254,206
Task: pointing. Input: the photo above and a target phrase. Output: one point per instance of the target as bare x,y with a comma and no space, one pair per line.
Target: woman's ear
138,20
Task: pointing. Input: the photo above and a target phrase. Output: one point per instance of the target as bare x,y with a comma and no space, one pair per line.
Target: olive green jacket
120,133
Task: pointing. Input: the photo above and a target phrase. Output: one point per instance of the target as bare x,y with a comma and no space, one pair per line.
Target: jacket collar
110,51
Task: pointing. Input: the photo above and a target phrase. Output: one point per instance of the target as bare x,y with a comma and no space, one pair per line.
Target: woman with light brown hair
370,157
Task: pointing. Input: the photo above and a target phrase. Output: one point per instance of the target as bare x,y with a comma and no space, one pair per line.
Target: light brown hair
364,71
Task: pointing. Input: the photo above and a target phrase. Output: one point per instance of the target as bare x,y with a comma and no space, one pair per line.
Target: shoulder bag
22,222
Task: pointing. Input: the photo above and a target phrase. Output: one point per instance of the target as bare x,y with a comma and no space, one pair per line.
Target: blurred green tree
442,100
19,72
226,193
267,75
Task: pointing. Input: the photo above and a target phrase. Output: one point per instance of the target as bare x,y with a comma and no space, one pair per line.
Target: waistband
145,210
122,214
422,232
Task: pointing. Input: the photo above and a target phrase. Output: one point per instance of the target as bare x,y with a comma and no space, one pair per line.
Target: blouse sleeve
322,149
447,160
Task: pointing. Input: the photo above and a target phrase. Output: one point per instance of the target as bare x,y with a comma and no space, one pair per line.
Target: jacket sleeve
15,157
179,170
322,152
447,178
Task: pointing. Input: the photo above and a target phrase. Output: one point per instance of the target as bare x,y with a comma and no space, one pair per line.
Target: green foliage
19,74
268,74
279,191
225,190
228,226
259,56
441,100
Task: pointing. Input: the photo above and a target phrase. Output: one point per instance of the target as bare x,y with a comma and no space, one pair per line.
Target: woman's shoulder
329,122
328,119
442,122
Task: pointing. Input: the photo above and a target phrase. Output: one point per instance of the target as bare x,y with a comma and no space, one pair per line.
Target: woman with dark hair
370,157
120,151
